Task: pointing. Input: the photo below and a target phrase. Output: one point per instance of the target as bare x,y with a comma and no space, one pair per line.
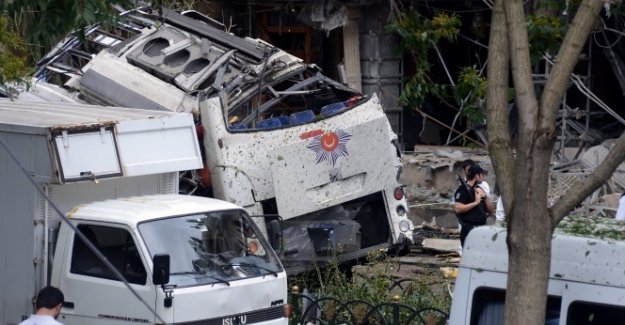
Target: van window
116,245
488,307
583,312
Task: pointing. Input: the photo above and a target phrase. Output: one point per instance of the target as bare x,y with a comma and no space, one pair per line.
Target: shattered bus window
294,101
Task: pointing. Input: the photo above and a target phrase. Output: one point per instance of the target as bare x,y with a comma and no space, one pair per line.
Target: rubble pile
431,177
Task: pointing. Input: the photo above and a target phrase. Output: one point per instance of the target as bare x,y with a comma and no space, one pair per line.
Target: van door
93,294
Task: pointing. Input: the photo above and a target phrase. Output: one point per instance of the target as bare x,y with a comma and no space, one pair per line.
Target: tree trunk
524,174
525,183
529,244
528,270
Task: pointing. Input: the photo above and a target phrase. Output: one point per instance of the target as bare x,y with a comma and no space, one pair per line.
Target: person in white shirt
500,214
483,185
48,304
620,211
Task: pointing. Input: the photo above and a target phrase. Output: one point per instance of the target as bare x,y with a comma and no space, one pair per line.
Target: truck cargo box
92,142
77,154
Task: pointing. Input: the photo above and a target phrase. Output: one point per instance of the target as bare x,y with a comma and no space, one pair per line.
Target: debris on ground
438,245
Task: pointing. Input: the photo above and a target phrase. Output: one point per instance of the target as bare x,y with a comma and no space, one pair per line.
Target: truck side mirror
160,274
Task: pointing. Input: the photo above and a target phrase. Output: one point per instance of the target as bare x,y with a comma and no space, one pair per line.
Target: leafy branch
13,53
418,37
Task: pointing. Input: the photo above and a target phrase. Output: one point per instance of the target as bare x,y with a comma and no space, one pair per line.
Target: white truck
278,136
586,283
192,260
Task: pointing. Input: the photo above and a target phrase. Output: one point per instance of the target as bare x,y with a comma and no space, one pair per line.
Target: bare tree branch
499,142
566,60
589,184
527,109
521,68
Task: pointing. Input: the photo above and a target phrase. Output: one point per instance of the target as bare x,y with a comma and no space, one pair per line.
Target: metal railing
308,309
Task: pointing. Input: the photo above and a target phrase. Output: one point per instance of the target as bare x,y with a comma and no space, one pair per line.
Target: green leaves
545,34
446,26
597,227
470,90
44,23
13,52
419,33
418,36
29,28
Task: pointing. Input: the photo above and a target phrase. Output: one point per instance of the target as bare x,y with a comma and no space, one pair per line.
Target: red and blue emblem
330,146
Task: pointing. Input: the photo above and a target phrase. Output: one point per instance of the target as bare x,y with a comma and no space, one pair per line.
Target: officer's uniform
472,218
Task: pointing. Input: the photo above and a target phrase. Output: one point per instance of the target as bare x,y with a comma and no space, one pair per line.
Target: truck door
93,294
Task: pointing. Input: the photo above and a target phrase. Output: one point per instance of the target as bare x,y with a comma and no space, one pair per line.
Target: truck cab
220,270
586,283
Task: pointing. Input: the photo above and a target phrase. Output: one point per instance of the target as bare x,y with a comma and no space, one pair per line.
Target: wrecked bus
279,138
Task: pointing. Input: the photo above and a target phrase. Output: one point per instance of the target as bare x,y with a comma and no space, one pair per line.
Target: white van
586,281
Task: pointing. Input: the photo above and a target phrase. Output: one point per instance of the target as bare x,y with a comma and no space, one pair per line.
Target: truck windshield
210,248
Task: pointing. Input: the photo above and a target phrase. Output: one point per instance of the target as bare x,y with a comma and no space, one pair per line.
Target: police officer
472,205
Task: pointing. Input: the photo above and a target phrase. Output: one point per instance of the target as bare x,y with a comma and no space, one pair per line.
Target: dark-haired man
472,205
483,184
48,304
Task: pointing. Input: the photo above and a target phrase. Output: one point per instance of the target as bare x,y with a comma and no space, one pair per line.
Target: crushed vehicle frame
279,138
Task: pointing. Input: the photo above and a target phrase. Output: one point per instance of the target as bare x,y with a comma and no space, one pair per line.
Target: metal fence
329,311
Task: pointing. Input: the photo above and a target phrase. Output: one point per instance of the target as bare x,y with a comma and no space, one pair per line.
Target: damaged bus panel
279,138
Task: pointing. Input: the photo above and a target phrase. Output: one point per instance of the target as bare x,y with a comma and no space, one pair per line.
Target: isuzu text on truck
278,136
192,260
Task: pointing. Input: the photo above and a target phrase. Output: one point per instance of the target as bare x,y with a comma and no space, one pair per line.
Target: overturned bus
316,158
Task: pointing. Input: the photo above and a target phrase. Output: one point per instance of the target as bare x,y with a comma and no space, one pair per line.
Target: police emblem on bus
330,146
